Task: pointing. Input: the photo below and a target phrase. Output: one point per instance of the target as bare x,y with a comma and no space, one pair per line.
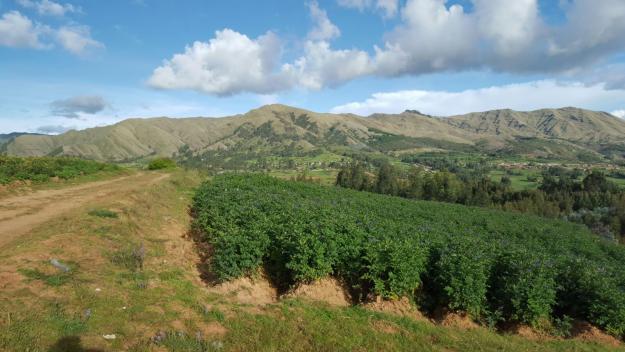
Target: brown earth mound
328,290
456,320
586,332
257,291
401,307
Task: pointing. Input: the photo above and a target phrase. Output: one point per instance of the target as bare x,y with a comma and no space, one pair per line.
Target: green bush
41,169
492,264
161,163
523,285
460,275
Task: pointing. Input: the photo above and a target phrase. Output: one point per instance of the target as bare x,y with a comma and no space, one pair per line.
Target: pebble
109,337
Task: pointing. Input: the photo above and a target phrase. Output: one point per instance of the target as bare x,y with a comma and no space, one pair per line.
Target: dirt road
20,214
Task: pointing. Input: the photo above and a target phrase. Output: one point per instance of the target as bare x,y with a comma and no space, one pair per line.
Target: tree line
593,201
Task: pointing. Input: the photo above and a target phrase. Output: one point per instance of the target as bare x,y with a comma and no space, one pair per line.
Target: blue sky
77,64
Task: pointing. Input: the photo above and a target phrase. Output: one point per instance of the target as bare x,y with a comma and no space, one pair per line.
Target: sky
77,64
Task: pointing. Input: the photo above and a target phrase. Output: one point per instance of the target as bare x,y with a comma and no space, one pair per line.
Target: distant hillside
282,130
6,138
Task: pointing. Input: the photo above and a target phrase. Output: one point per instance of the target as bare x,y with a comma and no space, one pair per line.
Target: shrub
41,169
161,163
523,285
395,267
460,275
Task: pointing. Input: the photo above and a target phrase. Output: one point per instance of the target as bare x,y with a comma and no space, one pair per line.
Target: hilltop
569,133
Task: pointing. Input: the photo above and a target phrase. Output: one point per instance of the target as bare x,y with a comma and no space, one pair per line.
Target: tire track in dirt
20,214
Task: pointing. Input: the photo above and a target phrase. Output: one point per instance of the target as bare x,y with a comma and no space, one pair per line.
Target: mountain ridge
278,127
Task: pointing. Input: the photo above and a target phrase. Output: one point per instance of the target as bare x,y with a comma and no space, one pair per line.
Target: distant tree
387,180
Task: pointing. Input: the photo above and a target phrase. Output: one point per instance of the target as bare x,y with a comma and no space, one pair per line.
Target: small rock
64,268
87,313
98,290
124,308
109,337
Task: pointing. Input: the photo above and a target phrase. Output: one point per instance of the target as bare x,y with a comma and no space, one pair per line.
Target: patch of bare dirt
246,290
456,320
328,290
527,332
586,332
401,307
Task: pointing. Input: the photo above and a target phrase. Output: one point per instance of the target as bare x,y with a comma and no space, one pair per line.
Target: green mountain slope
276,129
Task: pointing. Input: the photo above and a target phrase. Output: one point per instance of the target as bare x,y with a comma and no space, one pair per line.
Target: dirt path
20,214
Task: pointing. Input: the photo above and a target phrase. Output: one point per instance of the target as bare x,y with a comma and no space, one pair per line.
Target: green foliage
460,274
161,164
41,169
492,264
104,213
523,285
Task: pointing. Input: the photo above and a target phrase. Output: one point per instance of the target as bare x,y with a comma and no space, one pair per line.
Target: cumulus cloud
388,7
77,39
324,29
524,96
49,8
75,106
229,63
619,113
432,36
18,31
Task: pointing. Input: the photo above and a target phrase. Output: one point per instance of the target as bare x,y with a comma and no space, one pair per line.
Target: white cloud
321,66
389,7
17,30
524,96
619,113
324,29
432,37
229,63
48,8
77,39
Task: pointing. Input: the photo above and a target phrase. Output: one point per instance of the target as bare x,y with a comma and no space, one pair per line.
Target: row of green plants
41,169
496,266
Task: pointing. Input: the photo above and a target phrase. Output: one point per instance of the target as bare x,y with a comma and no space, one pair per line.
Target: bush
523,286
460,275
161,163
41,169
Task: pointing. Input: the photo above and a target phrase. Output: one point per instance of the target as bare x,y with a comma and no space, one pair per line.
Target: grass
166,295
55,280
104,213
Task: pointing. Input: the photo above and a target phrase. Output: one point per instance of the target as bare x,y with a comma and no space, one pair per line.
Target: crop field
498,267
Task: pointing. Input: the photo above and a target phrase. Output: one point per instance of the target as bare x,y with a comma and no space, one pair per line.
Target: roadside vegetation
161,164
42,169
496,266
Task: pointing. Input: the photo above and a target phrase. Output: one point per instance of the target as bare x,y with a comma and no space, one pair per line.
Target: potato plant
492,264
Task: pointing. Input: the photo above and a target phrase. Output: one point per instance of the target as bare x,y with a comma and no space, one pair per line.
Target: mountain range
568,133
